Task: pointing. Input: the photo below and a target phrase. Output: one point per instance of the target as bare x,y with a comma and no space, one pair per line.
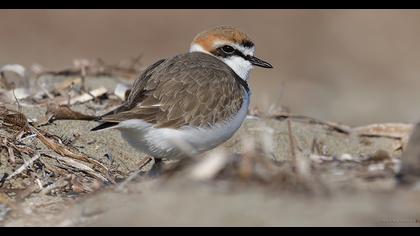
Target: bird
192,102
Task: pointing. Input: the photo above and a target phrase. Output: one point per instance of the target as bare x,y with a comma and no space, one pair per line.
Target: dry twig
64,112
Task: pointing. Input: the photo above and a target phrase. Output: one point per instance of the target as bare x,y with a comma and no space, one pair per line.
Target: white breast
166,142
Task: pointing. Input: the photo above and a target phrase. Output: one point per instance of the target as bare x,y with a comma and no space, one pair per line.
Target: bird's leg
156,169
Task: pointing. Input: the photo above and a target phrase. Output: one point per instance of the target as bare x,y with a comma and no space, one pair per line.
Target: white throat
241,66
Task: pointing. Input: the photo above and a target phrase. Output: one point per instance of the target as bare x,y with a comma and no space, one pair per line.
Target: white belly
172,144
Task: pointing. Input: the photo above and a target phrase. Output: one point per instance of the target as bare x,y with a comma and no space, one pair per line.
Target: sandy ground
353,200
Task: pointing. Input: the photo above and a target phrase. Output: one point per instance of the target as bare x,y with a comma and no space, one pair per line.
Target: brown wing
191,89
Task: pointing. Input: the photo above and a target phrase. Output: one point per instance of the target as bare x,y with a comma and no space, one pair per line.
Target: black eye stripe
221,53
239,53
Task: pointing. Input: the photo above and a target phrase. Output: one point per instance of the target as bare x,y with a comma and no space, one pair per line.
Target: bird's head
231,46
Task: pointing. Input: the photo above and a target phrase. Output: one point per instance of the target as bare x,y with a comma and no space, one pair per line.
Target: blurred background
350,66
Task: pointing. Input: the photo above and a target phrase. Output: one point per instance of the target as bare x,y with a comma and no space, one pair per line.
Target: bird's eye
228,49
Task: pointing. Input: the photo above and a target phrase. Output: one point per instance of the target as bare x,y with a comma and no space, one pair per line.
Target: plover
192,102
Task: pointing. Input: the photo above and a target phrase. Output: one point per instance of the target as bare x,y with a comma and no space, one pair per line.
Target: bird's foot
156,169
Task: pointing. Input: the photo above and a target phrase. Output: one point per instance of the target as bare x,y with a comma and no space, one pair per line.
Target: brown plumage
181,92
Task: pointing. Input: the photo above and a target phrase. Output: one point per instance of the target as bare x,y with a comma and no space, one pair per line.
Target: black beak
258,62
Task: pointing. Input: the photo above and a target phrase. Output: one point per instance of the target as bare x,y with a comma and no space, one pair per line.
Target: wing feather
179,91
